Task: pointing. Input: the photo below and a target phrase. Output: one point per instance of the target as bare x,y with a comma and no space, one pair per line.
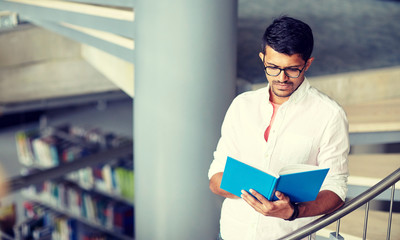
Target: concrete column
185,71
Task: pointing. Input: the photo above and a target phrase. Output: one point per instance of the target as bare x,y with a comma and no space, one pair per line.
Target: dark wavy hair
289,36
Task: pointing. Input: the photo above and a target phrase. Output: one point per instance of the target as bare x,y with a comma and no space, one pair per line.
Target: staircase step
378,116
369,169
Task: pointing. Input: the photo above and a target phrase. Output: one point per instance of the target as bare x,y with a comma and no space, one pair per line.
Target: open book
300,182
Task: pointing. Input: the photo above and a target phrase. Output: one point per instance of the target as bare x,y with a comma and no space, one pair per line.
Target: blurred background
73,62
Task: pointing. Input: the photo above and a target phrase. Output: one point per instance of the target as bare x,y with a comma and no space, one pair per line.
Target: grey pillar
185,70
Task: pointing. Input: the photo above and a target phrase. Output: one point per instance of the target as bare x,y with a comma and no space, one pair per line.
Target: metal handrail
347,208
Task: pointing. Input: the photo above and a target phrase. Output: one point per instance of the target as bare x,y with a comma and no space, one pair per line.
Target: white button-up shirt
309,128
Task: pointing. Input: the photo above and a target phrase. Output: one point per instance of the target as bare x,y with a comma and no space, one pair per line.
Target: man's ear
308,64
261,55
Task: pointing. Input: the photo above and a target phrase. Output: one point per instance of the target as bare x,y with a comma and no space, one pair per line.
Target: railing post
390,213
337,227
336,235
366,221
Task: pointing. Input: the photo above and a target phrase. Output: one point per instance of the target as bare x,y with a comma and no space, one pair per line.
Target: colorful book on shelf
300,182
45,151
24,146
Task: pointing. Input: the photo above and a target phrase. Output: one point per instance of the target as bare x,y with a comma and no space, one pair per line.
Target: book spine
273,189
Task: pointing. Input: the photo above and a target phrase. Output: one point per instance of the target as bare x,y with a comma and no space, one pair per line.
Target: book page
295,168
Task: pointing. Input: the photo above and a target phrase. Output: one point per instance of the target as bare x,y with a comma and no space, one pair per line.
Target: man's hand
326,202
281,208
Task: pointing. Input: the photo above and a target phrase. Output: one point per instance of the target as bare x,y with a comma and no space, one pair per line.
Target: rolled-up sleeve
333,154
227,145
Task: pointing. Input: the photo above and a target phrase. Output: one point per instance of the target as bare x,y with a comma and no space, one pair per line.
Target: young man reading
284,123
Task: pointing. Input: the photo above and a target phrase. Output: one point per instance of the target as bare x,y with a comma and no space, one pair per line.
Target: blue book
300,182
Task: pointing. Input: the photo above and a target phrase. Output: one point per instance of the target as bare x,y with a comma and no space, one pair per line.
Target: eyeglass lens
290,72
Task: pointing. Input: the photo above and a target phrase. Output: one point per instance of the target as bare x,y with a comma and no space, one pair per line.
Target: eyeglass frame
283,69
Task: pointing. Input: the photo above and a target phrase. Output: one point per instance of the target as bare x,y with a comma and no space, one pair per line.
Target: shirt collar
300,92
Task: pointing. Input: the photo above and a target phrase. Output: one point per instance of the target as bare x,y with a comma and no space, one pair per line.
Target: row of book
43,224
101,196
56,145
84,205
115,178
53,146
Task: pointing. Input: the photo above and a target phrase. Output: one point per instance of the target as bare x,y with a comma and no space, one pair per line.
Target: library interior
110,111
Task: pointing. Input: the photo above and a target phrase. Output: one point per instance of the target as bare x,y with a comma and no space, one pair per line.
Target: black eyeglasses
289,71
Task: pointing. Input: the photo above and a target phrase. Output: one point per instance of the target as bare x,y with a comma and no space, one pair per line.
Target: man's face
282,86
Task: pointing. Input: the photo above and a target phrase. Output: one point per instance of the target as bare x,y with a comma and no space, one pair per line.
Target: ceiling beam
107,19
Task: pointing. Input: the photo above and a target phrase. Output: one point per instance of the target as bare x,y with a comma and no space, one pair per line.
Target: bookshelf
65,224
97,166
111,233
41,174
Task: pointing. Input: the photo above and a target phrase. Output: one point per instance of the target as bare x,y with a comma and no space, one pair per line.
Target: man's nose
282,76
